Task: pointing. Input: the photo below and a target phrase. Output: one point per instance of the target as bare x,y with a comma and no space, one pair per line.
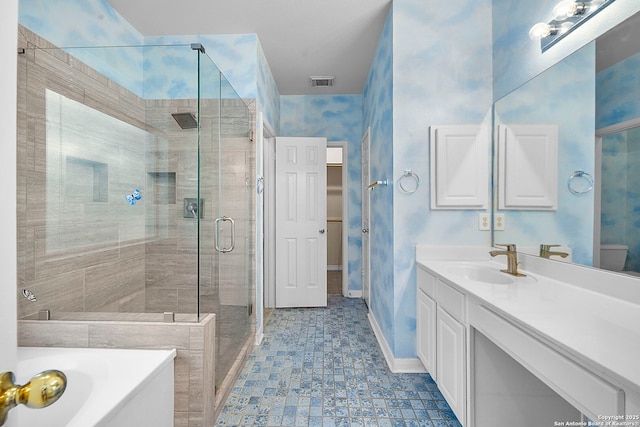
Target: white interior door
301,221
365,218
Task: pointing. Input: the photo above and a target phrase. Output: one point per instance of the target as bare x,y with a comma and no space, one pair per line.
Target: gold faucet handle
41,391
546,248
511,247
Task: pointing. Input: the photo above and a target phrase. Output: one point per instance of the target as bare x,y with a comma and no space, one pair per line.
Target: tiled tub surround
566,327
194,372
324,367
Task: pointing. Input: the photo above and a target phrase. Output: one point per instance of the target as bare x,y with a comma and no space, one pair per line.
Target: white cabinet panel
528,167
459,167
426,282
450,360
451,300
426,332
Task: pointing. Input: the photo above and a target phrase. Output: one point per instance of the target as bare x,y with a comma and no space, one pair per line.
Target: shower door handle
233,234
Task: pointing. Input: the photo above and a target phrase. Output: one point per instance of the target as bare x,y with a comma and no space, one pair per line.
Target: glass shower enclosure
134,199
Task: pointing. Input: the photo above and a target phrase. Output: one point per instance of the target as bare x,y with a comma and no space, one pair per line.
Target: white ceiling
300,38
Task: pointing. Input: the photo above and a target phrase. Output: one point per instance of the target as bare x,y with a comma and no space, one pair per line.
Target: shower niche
86,180
161,187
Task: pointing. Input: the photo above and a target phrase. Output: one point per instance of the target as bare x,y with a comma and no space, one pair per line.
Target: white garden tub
105,387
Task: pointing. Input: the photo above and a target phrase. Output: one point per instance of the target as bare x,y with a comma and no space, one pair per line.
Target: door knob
365,230
41,391
321,231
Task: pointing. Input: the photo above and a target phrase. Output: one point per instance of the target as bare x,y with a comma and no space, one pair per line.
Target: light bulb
567,8
563,28
540,31
563,10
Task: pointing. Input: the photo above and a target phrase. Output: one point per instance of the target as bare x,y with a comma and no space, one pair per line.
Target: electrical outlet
484,222
498,221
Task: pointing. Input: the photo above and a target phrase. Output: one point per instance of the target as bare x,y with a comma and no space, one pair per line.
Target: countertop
600,331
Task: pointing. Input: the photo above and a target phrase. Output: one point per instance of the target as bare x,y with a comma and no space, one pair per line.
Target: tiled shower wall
129,275
108,277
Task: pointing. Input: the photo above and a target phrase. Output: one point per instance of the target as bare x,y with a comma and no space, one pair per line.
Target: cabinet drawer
426,282
450,299
589,393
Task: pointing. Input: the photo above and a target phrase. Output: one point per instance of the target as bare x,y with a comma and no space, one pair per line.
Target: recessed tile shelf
86,178
162,187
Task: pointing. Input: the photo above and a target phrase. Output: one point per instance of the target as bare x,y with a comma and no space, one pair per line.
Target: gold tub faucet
512,258
41,391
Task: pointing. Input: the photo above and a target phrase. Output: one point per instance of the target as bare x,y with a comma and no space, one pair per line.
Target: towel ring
413,177
583,175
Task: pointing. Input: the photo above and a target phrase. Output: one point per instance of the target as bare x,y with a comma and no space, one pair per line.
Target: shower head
186,120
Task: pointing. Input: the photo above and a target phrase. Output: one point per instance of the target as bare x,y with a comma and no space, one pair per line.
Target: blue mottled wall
96,23
618,92
421,76
442,75
337,118
268,94
234,55
378,116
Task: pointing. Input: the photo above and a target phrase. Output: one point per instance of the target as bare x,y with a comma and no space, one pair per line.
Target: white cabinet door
459,171
426,332
450,360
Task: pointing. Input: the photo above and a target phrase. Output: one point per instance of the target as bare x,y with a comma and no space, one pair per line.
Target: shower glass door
225,236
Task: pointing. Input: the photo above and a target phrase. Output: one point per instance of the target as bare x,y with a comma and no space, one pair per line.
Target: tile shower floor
324,367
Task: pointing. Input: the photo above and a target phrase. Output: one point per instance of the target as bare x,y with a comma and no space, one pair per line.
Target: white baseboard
354,294
408,365
259,336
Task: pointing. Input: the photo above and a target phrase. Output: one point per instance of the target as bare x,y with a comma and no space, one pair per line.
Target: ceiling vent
322,81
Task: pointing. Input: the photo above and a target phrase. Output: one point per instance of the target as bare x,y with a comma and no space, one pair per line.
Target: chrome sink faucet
512,258
546,252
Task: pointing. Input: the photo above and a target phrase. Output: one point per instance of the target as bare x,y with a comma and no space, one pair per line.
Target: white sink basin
481,273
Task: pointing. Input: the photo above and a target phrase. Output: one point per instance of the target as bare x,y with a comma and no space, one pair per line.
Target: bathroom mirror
595,88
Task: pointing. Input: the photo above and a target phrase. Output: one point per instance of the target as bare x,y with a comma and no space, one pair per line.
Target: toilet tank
613,257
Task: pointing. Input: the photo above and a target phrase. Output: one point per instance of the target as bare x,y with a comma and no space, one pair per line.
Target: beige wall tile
34,333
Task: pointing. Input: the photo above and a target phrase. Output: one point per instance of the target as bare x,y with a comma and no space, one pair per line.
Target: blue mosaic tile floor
324,367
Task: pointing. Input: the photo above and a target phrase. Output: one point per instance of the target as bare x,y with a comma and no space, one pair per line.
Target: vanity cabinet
441,338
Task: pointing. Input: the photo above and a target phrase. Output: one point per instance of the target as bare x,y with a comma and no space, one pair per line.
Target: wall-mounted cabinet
459,167
528,167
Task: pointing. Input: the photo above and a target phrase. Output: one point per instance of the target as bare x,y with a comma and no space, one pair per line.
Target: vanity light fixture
567,15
